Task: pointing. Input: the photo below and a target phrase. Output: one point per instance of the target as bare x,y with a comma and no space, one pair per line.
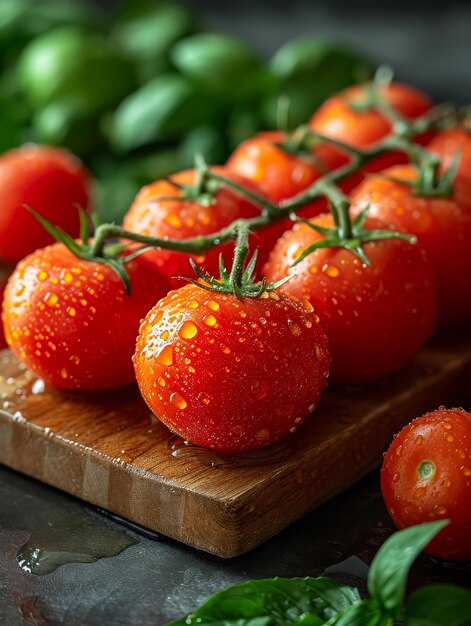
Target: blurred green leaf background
137,92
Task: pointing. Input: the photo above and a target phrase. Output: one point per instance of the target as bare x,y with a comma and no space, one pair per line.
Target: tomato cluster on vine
230,362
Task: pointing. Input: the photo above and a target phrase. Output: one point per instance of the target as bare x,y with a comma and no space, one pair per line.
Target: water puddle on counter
60,536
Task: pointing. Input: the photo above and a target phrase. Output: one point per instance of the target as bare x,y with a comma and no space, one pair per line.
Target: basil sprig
324,602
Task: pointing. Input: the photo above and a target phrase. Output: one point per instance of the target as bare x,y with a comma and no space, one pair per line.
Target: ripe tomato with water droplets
228,374
160,211
426,475
71,321
337,118
378,317
442,226
52,182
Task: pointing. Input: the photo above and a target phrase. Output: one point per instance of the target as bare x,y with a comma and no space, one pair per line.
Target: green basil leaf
146,30
223,64
364,613
275,602
308,56
439,605
164,108
390,567
69,63
205,140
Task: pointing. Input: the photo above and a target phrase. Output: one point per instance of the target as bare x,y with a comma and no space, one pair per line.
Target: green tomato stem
325,186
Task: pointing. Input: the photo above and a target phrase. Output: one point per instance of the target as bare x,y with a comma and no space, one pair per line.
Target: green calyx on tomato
85,249
240,281
430,182
347,233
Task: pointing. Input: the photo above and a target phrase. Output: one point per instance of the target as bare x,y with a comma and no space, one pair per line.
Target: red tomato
426,475
442,225
229,374
154,212
280,175
72,323
377,318
446,145
51,181
362,129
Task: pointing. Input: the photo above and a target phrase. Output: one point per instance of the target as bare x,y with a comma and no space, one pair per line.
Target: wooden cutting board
110,451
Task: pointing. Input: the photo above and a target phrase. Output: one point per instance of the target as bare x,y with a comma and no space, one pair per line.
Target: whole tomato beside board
163,209
426,475
231,374
71,321
442,226
377,317
51,181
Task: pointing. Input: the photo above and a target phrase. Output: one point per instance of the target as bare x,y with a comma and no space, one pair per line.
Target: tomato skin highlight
426,475
71,322
51,181
363,129
227,374
442,226
153,213
377,318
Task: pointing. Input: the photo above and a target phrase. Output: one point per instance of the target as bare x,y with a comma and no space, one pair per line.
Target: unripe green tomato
67,62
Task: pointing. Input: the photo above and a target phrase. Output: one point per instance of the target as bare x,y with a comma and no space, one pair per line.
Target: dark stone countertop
154,581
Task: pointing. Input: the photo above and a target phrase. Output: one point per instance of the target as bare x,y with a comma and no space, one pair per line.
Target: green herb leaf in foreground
275,602
439,605
390,567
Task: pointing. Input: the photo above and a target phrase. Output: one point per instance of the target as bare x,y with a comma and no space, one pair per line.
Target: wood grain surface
110,451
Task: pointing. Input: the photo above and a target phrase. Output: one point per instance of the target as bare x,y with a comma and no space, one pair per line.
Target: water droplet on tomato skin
166,356
213,305
210,320
178,401
188,330
396,477
418,440
449,437
465,470
420,493
439,509
294,328
51,299
331,270
204,398
447,426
